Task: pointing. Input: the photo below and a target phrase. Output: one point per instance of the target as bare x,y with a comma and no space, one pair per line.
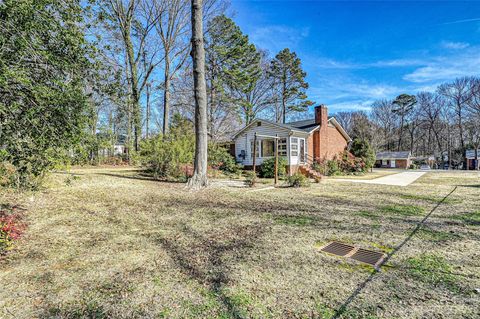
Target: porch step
310,173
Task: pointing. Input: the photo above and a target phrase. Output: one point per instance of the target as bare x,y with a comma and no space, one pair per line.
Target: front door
392,163
302,151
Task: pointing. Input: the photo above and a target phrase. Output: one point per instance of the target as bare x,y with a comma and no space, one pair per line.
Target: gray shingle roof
293,126
393,155
306,125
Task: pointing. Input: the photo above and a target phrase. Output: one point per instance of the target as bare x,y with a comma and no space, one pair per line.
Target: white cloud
398,63
277,37
447,68
461,21
328,63
455,45
354,105
342,89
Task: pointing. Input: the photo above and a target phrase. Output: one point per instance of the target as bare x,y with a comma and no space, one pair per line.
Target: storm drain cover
337,248
366,256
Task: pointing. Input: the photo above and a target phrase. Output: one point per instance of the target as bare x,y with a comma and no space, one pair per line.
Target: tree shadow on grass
204,259
141,177
471,186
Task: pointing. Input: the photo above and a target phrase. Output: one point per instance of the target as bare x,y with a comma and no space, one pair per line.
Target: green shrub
167,155
44,104
219,158
8,174
332,168
250,178
267,169
298,180
361,149
24,175
343,163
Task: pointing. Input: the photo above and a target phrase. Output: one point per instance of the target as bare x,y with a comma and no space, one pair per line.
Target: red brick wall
310,146
402,163
316,144
326,142
336,142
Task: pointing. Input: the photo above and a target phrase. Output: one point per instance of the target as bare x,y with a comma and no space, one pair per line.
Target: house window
294,146
282,147
268,148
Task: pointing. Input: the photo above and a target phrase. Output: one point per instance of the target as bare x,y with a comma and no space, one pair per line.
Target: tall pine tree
233,70
289,78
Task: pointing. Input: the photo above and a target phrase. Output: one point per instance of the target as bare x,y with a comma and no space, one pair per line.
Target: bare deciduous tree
172,28
458,93
383,116
133,20
199,178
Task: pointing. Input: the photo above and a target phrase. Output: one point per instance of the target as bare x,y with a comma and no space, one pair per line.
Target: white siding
243,142
295,160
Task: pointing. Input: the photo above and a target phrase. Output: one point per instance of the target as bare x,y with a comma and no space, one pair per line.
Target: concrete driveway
400,179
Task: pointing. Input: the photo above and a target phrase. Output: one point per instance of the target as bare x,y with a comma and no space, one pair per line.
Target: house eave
289,130
340,128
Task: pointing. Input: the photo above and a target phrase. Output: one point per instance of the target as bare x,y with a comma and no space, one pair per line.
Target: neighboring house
472,162
394,159
426,159
299,142
119,147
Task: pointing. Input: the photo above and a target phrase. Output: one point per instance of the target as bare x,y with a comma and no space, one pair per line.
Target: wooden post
276,159
254,151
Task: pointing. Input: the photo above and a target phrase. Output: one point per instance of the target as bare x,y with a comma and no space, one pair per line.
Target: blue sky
357,52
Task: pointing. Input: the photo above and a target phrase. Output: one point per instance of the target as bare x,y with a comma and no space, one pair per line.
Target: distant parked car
424,167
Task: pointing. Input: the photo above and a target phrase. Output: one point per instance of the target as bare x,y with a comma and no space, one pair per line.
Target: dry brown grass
376,173
113,244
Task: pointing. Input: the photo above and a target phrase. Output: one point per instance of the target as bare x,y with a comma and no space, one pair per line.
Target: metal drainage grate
337,248
368,257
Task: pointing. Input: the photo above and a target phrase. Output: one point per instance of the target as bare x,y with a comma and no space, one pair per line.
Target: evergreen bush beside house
220,159
361,148
267,169
298,180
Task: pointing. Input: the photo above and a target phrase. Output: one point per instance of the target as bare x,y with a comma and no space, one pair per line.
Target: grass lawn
376,173
109,243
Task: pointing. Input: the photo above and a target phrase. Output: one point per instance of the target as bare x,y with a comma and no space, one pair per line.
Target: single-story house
394,159
472,162
299,142
426,159
118,148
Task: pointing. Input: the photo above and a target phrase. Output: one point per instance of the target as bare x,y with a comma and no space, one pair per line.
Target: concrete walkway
401,179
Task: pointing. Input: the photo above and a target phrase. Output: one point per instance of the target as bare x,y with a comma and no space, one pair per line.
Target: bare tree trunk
147,115
199,178
284,101
137,126
401,134
166,96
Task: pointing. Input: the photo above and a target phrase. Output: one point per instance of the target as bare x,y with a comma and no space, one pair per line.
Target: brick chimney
320,137
321,115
